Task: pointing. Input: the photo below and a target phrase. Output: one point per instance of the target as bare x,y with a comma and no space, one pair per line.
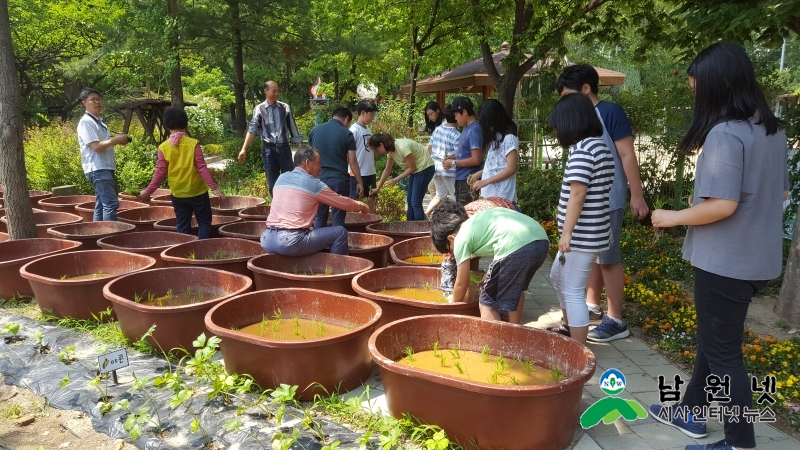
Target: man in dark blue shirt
469,156
337,149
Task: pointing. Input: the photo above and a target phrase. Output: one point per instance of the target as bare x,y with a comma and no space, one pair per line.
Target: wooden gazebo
473,78
150,112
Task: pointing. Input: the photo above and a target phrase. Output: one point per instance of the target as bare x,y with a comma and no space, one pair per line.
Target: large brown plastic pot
419,247
230,205
373,247
45,220
144,218
400,231
134,198
161,200
327,361
216,223
370,284
241,250
176,326
79,299
244,230
89,232
357,223
149,243
541,417
35,196
86,210
255,213
15,254
273,271
64,203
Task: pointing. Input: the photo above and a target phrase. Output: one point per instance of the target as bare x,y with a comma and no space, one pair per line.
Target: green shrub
392,118
538,191
205,121
391,204
136,163
52,158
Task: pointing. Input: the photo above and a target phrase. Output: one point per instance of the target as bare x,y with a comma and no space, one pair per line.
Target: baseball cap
462,103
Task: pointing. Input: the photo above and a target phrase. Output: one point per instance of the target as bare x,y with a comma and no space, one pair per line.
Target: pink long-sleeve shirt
296,198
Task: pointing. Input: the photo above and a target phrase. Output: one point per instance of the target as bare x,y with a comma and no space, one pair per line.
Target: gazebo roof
472,76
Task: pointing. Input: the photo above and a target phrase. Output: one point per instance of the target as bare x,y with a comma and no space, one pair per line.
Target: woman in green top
416,163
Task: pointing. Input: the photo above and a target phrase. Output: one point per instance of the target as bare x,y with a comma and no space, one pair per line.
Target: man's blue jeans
304,242
107,203
277,160
342,187
417,187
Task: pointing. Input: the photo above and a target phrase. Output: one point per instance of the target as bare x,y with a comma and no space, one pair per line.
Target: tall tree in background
173,42
12,154
539,28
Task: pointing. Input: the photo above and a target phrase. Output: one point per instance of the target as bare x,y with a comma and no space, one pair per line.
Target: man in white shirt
97,155
366,110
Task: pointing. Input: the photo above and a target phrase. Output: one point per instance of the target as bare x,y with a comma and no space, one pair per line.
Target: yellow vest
184,179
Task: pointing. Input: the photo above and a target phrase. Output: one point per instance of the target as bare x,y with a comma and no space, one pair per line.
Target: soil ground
50,429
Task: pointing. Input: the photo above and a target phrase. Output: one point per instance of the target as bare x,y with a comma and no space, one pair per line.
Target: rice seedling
435,348
328,270
485,353
514,381
409,352
276,314
443,360
527,366
459,367
556,374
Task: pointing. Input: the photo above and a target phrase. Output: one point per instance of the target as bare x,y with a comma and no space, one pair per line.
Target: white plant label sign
113,360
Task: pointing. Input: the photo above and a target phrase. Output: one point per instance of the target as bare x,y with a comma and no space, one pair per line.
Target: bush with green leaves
538,191
52,158
136,163
205,121
391,204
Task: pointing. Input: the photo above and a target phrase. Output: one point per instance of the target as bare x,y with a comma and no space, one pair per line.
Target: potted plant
323,271
15,254
149,243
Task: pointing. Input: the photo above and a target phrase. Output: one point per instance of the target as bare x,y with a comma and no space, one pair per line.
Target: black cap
462,103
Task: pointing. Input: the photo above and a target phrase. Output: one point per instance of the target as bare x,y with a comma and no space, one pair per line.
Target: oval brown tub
144,218
71,284
400,231
135,198
324,271
373,247
89,232
423,249
255,213
148,243
219,253
64,203
86,210
17,253
45,220
370,284
176,326
161,200
244,230
35,196
216,223
356,222
494,415
335,362
230,205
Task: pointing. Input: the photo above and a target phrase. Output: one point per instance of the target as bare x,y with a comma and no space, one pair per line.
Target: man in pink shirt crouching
297,195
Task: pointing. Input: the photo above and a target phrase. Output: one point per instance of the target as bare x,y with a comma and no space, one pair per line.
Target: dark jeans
342,187
277,160
106,203
722,304
370,183
304,242
200,206
417,187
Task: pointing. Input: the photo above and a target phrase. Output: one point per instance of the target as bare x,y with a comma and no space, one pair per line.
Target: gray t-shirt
740,162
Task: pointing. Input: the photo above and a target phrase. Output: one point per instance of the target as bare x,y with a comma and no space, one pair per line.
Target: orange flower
752,357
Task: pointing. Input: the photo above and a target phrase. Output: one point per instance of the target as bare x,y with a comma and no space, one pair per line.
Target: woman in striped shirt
583,215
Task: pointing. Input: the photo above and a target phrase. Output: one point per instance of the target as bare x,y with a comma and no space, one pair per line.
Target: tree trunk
12,154
175,83
413,94
240,119
507,90
788,305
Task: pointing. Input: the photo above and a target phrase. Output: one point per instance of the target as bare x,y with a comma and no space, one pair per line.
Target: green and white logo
610,409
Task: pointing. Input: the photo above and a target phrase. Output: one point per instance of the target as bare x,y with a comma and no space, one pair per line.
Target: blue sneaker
608,330
721,445
689,427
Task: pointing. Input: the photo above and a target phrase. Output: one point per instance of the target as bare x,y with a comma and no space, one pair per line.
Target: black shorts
370,183
508,277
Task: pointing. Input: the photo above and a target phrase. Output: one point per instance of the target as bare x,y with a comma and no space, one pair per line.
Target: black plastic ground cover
23,365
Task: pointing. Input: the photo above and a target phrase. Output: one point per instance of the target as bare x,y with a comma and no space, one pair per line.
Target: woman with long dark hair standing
498,178
433,116
735,233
